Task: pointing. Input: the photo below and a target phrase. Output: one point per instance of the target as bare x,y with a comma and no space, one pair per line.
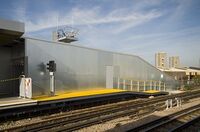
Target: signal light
51,66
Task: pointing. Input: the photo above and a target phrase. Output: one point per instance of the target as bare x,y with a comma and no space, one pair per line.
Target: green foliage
197,80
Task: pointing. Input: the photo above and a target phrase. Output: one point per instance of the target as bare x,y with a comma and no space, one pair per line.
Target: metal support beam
144,86
159,86
138,86
150,85
118,83
155,85
131,85
52,84
164,87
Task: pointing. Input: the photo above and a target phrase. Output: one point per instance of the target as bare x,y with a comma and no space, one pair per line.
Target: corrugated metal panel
83,68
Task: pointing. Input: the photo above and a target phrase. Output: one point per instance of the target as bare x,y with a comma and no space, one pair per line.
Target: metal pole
159,86
138,84
150,85
144,86
131,85
118,83
171,103
124,84
164,86
52,84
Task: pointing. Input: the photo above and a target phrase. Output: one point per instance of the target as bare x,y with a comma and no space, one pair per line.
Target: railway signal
51,66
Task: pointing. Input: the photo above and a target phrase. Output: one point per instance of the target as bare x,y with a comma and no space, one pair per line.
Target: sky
138,27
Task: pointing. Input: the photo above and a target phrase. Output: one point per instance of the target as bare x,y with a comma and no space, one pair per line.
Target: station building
78,67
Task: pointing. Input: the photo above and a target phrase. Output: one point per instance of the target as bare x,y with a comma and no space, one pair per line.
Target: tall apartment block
161,60
174,61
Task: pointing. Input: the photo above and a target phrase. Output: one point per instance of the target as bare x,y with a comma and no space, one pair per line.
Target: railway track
90,116
193,125
173,123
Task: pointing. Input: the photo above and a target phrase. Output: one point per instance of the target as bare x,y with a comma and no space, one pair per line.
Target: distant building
174,62
161,60
185,73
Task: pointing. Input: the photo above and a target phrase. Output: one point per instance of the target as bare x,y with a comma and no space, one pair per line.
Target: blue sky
139,27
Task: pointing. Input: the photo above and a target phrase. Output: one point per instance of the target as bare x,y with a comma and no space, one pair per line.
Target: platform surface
14,102
75,94
151,91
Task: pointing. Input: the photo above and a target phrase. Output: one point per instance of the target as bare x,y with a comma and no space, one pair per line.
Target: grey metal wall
81,68
11,59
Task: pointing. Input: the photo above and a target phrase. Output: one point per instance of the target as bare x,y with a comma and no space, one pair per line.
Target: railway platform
19,107
95,94
14,102
78,94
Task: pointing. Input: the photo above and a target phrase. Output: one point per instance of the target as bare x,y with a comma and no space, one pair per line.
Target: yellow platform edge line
151,91
80,93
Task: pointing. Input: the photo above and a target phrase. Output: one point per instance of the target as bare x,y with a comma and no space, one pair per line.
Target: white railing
140,85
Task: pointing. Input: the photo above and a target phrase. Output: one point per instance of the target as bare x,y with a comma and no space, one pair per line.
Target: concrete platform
14,102
12,107
94,94
82,96
76,94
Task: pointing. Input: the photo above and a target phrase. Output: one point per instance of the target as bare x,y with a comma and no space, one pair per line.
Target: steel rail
161,123
186,125
52,122
110,106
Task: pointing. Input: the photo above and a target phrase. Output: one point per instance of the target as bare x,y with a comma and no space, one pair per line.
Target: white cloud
122,18
105,28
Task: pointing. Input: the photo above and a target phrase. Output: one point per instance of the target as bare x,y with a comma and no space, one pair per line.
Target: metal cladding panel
82,68
10,57
11,27
10,30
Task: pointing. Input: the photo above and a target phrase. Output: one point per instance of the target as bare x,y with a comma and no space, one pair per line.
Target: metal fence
140,85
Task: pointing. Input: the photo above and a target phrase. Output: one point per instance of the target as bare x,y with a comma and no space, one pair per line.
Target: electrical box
26,88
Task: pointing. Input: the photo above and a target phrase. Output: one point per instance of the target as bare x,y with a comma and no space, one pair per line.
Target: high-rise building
174,61
161,60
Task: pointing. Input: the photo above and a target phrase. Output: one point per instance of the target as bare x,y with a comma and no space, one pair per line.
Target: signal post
51,66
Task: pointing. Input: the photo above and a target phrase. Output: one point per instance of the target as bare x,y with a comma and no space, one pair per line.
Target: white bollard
171,103
167,104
